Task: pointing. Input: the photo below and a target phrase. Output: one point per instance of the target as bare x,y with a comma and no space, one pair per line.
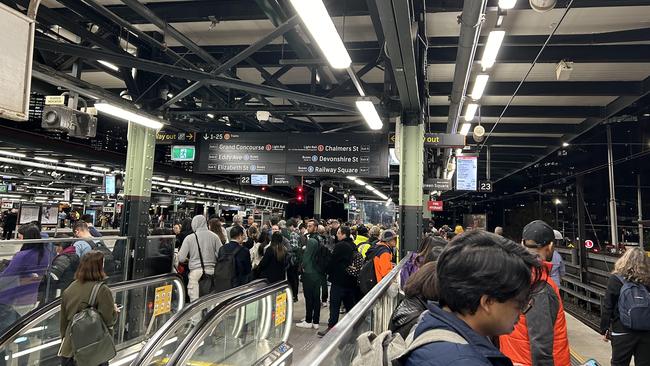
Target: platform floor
586,343
303,340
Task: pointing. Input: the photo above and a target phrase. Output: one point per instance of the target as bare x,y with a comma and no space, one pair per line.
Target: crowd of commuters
499,299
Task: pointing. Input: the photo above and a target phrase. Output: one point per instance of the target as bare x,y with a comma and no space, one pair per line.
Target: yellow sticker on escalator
162,303
280,308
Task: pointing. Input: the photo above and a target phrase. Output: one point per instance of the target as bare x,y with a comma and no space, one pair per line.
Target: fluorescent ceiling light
210,115
470,111
47,160
479,86
315,17
174,181
507,4
78,165
464,130
128,115
351,178
360,182
492,48
100,168
565,144
369,113
158,179
11,153
370,188
109,65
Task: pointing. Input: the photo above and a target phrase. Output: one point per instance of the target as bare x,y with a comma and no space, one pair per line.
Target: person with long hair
633,266
215,226
20,280
273,265
417,259
75,298
419,289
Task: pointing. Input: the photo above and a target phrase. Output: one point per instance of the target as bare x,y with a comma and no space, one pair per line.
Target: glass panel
246,333
37,271
142,313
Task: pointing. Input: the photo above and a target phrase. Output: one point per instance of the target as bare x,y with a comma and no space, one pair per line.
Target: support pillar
582,232
137,194
318,201
411,172
639,203
613,219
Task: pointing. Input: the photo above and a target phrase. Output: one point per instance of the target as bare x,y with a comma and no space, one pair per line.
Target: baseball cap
388,235
539,232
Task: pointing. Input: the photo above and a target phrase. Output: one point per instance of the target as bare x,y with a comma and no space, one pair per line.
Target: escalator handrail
217,314
217,298
42,312
319,354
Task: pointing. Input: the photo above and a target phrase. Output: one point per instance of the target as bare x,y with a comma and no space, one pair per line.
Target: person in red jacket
540,336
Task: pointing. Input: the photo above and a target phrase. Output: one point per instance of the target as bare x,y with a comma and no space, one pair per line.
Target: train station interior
294,130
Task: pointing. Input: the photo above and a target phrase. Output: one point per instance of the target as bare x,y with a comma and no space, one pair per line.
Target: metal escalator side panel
160,338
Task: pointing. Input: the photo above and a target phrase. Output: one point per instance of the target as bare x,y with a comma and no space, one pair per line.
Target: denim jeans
339,294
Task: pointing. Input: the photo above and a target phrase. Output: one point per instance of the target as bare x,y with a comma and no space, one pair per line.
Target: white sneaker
304,325
316,326
323,304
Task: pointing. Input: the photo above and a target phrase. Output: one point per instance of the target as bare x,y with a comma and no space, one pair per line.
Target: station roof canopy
264,46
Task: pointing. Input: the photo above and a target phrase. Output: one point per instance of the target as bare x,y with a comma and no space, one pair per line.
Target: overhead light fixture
128,115
109,65
500,18
479,86
360,182
100,168
565,144
174,181
470,111
351,177
210,115
47,160
11,153
369,113
464,130
492,48
507,4
74,164
557,201
315,17
170,95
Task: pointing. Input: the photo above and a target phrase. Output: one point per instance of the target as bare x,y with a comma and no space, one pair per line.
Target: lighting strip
11,153
45,166
368,187
226,191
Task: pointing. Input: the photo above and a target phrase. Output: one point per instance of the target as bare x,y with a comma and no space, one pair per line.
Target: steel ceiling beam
531,128
161,68
528,111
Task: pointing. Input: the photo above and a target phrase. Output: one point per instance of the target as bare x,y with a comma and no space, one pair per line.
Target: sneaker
342,311
322,333
323,304
304,325
315,326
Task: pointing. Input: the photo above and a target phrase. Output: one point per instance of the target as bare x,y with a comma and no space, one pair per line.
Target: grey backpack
91,340
390,349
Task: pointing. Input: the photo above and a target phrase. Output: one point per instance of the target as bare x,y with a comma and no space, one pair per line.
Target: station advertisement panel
305,154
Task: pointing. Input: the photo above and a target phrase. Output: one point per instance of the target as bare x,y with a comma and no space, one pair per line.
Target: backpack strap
93,295
435,335
198,245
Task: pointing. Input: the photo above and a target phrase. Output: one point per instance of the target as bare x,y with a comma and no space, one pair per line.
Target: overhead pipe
471,20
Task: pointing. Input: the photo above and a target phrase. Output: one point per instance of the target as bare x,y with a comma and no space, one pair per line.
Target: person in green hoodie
312,278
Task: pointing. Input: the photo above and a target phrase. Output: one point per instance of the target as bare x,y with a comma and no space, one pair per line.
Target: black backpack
322,255
225,270
367,276
110,266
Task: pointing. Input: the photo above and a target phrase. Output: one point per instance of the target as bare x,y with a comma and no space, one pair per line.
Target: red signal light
299,198
299,189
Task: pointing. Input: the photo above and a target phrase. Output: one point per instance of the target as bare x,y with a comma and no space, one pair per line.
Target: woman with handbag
88,290
200,249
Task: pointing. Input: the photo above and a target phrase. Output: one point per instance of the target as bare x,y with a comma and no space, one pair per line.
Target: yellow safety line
577,356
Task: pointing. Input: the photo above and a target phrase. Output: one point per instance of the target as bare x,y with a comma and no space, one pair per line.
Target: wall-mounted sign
444,140
54,99
168,138
485,186
435,206
589,244
259,179
3,188
283,180
29,213
466,173
109,184
362,155
437,184
183,153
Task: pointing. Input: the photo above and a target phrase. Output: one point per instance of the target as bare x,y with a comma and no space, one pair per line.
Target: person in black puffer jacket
419,289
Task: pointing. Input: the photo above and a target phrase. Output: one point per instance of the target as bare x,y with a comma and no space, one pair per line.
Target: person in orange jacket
540,337
383,253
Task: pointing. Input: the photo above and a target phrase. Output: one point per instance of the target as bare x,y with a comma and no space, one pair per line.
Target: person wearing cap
558,269
382,253
540,337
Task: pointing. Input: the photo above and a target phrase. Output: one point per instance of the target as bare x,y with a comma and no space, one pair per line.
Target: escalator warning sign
280,308
163,301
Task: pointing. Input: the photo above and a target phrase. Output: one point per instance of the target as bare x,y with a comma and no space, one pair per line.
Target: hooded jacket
478,352
209,242
540,337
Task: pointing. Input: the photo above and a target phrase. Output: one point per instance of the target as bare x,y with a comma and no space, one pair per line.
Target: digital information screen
466,173
259,179
109,184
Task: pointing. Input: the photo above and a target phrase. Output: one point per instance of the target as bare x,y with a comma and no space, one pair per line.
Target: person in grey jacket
209,243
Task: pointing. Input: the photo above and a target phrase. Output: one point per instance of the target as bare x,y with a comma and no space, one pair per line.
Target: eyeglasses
529,305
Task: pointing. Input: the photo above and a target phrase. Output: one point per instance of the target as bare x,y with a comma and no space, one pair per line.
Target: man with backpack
233,266
312,277
379,261
540,337
88,242
343,284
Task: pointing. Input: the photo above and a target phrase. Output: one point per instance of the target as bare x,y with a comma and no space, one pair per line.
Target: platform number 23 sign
485,186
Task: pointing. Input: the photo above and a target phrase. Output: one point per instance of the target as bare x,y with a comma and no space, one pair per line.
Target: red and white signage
435,206
589,244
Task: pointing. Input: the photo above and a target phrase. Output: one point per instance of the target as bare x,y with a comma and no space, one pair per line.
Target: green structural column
137,193
318,201
411,172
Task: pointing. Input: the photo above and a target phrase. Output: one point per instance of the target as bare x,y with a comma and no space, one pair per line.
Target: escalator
249,329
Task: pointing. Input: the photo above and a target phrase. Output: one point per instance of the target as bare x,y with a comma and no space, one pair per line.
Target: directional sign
168,138
589,244
183,153
437,184
435,206
444,140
